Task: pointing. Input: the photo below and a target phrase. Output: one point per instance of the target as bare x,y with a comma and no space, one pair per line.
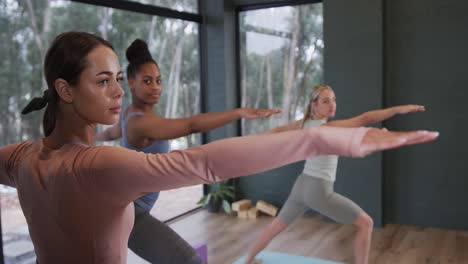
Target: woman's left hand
405,109
257,113
382,139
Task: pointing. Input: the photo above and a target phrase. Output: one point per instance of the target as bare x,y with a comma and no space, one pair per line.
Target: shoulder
18,148
101,157
15,147
10,157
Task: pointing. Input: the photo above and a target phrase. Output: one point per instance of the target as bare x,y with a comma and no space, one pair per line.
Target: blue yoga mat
282,258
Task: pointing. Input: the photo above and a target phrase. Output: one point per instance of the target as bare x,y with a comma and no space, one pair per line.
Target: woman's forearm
376,116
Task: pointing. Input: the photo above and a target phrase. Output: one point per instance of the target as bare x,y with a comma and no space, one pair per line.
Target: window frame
251,7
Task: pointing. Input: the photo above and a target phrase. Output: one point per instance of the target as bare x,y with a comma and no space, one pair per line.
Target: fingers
419,108
266,112
380,144
418,137
389,144
416,108
381,139
411,109
273,111
406,139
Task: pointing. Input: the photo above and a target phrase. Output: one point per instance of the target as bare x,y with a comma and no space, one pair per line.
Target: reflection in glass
281,51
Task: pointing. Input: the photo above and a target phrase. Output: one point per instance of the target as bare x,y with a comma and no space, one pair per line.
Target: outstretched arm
111,133
121,175
154,126
291,126
376,116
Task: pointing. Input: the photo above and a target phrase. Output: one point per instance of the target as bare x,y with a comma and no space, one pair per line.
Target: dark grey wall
271,186
353,67
379,53
426,62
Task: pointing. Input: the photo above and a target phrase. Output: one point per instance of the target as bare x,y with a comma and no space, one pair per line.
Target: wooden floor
229,237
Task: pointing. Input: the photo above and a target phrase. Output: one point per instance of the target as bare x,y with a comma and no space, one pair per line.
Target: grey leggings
315,193
156,242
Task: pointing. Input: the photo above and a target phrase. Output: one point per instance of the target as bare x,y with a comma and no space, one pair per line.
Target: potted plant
220,194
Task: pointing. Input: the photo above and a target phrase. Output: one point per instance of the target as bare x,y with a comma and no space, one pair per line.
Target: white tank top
323,167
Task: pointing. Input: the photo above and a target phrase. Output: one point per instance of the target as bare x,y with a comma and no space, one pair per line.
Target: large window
281,59
26,29
179,5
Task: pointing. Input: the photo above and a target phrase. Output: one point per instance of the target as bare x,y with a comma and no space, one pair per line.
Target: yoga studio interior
399,65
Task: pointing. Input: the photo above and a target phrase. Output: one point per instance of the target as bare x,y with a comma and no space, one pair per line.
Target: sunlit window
281,51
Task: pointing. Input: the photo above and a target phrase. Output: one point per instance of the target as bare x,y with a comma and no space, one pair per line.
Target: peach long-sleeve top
77,199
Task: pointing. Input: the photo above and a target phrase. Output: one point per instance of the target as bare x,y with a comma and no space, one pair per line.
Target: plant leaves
227,207
207,201
202,200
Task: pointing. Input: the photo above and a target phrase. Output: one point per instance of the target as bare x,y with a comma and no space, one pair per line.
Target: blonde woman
313,189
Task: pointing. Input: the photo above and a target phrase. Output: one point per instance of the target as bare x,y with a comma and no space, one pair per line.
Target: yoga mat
283,258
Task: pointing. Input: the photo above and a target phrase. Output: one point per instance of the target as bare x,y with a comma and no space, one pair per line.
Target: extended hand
257,113
382,139
404,109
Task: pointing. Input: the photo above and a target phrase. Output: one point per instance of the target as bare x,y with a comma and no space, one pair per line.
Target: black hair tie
37,103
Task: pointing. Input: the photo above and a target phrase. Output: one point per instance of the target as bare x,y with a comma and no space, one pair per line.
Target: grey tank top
147,201
324,166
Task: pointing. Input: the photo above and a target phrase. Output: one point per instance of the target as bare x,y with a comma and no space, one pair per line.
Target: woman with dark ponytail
142,129
78,198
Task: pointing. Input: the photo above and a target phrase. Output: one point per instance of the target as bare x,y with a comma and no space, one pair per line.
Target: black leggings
156,242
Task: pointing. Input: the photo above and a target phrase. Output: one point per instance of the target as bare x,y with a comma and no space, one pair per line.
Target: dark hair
137,54
65,59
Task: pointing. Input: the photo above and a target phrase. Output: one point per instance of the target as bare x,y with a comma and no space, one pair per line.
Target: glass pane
26,29
190,6
281,51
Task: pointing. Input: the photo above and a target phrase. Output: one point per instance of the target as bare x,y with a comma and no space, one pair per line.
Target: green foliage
25,40
275,28
24,43
221,192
